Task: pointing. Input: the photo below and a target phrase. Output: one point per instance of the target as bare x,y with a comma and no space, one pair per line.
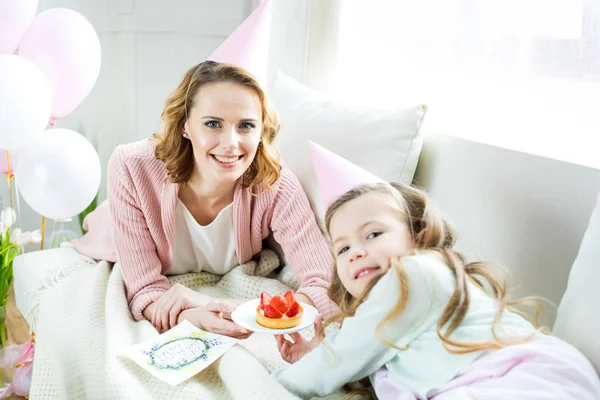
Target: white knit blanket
82,324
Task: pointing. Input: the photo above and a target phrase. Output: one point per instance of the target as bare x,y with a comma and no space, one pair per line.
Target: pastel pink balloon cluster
57,65
60,41
66,47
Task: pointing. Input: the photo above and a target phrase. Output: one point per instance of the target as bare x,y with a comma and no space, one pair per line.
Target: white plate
245,316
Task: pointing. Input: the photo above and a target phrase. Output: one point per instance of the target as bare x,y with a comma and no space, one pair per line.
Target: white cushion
30,269
578,318
383,141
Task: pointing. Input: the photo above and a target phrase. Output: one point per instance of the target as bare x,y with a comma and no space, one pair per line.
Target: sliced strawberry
272,312
294,310
265,299
280,303
289,297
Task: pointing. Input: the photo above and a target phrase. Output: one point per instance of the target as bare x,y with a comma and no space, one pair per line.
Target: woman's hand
293,351
210,318
171,303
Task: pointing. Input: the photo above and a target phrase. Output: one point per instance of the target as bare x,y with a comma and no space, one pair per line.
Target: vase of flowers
12,242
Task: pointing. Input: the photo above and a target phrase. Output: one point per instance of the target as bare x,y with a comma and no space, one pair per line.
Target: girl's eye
246,126
343,250
212,124
374,235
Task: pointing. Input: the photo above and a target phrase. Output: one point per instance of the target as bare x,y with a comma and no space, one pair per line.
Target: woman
203,195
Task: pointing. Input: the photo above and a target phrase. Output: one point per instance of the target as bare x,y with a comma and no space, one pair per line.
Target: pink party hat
336,175
248,45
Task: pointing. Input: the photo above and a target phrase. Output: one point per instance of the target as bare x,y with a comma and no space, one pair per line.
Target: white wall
526,212
147,45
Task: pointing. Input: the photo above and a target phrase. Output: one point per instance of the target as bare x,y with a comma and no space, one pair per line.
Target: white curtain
522,74
288,37
323,38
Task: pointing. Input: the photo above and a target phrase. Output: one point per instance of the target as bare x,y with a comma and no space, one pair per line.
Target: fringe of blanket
51,280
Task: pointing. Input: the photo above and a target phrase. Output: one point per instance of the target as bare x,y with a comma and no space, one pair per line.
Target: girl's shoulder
427,274
428,264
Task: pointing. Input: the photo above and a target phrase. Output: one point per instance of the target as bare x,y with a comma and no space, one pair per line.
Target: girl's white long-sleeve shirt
355,351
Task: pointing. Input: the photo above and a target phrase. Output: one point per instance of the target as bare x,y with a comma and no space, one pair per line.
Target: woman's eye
246,126
343,250
212,124
374,235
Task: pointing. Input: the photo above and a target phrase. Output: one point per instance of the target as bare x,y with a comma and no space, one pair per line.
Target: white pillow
578,318
383,141
31,268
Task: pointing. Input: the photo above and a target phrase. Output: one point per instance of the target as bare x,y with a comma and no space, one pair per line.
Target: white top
355,351
209,248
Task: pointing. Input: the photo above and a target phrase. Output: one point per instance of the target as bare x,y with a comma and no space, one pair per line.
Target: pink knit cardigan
142,204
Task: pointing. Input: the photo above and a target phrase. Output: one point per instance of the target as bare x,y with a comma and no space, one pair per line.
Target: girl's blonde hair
431,233
176,151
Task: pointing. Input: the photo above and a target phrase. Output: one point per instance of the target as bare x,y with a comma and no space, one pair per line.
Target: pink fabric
20,355
336,175
544,368
98,241
248,45
142,204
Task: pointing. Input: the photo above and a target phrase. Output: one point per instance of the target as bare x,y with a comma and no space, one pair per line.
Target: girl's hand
234,303
210,318
293,351
172,302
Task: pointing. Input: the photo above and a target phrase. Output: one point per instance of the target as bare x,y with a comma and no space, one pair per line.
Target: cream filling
262,312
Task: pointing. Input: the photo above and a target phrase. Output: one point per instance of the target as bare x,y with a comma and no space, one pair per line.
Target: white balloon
60,174
25,102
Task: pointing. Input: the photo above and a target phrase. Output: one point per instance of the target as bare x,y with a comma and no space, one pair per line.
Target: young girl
418,320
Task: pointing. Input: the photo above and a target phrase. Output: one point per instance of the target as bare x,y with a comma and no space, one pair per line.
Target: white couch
526,212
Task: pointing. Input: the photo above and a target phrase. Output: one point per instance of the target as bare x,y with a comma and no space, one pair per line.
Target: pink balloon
66,47
15,17
4,165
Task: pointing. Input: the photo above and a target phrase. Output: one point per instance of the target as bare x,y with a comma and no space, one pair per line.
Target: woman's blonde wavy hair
431,233
176,151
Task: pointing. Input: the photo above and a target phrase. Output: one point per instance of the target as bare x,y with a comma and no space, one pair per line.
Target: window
521,74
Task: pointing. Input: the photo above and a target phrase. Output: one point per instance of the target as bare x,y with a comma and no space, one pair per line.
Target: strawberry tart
278,312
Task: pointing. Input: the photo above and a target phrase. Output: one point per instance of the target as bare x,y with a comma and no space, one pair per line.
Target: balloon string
18,202
9,176
52,125
43,232
8,173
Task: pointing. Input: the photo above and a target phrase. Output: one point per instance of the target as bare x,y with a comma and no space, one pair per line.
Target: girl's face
365,233
225,127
